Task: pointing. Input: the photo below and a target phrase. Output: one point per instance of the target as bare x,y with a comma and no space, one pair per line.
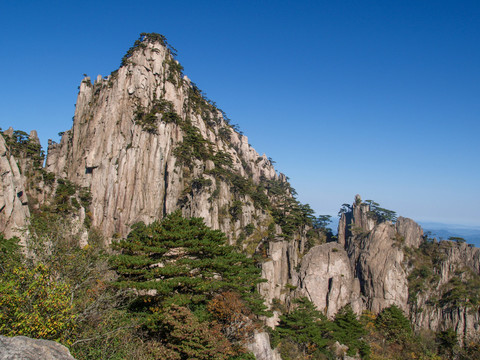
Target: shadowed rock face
14,213
24,348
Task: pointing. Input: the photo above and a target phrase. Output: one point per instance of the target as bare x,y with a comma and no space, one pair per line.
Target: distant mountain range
443,231
440,231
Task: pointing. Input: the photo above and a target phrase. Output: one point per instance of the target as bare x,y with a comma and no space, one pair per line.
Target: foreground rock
24,348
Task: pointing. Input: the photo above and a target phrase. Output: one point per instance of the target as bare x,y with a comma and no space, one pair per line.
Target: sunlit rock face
134,174
146,143
14,212
326,278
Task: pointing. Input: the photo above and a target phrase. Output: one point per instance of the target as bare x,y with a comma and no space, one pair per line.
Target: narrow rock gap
165,180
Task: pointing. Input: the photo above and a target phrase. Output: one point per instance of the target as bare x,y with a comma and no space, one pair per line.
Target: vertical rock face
14,213
260,347
436,283
326,278
279,269
376,256
449,296
126,144
380,270
411,232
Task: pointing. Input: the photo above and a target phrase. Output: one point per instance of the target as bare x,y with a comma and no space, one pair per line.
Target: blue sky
379,98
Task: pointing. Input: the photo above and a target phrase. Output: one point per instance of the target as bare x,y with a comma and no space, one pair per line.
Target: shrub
33,304
393,324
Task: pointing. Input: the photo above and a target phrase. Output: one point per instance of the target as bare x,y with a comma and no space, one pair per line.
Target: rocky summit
146,142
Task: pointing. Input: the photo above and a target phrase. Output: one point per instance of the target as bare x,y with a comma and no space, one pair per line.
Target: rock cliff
437,283
146,142
14,212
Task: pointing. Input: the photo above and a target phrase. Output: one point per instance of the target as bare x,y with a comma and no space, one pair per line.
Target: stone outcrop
376,256
387,259
411,232
446,301
260,347
380,270
134,172
326,278
14,212
24,348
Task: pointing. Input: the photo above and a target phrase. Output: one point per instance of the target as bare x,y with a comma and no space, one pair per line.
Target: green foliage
21,145
236,210
464,291
346,208
185,337
304,328
349,331
48,177
380,214
458,240
175,71
393,324
33,304
286,210
249,229
447,341
321,222
194,146
9,253
64,195
183,262
147,118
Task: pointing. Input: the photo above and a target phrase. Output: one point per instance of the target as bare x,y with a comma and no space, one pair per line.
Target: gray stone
260,347
14,212
326,278
24,348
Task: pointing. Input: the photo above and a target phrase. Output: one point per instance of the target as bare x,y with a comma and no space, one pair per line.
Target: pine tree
182,261
305,327
349,331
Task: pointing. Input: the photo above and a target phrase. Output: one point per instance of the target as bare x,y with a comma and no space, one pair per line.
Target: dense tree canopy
181,260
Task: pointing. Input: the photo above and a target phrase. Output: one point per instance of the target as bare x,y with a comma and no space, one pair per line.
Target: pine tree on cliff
182,261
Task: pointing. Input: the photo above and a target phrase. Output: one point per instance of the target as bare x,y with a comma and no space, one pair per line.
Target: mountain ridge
145,142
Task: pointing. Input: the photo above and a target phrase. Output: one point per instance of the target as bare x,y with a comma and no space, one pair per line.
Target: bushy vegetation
141,42
183,262
203,303
147,118
463,290
305,333
380,214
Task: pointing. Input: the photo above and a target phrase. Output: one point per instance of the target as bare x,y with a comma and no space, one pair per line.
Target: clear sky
380,98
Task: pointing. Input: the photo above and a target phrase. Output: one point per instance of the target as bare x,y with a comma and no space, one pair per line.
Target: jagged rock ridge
146,143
